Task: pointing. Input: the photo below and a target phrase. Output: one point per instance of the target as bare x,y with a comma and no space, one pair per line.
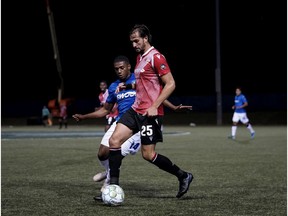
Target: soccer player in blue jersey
240,114
124,98
122,93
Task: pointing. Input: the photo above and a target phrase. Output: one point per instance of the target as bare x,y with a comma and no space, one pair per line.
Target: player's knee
114,143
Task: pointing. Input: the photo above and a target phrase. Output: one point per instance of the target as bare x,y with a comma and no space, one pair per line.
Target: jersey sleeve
111,93
160,64
244,100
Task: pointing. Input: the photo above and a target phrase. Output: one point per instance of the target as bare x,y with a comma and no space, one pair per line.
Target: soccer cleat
231,137
252,135
184,185
100,176
98,198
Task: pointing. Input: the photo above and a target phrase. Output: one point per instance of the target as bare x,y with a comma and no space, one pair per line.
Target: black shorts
150,128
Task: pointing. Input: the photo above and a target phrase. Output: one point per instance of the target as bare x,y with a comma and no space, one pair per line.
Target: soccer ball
113,195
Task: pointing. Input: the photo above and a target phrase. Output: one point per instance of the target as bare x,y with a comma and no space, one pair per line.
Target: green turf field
53,176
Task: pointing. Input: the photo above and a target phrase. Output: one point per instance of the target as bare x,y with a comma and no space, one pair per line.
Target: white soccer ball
113,195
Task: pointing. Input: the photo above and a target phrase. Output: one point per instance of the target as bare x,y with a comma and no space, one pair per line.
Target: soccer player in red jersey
103,95
154,84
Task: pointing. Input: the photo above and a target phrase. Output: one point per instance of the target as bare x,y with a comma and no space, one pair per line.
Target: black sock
115,160
165,164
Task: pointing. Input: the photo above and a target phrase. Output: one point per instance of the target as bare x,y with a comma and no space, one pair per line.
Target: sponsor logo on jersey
126,95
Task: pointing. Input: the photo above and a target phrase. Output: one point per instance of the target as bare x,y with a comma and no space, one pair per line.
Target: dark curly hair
143,31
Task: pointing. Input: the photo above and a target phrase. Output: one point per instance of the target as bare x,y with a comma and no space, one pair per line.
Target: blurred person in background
63,116
46,116
103,95
240,114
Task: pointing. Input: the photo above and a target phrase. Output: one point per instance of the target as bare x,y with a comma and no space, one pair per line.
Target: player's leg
44,120
60,122
65,122
235,120
131,146
244,119
49,121
103,154
152,133
120,135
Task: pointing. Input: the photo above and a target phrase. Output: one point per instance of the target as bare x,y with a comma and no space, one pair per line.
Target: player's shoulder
243,97
156,53
159,57
132,77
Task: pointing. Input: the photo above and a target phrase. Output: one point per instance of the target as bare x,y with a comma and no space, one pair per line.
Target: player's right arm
245,104
121,86
102,112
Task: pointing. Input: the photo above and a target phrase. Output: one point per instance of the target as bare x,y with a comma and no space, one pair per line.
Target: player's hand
77,117
151,112
233,107
181,107
120,87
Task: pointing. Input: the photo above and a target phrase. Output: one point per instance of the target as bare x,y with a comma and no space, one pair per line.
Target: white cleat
232,137
100,176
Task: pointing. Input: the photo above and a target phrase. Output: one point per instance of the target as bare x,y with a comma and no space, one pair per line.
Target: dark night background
90,34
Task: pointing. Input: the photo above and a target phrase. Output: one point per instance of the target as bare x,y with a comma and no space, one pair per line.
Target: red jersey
149,68
102,98
63,111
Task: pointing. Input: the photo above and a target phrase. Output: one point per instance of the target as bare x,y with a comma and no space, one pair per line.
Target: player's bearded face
137,42
140,47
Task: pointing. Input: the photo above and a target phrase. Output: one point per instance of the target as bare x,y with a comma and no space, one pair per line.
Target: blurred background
245,40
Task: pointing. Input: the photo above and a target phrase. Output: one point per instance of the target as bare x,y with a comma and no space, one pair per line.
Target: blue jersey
124,98
239,101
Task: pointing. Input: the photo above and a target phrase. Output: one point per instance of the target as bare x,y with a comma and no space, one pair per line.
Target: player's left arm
169,86
162,68
168,104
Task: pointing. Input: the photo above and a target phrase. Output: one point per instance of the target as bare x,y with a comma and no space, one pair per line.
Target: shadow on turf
185,197
246,141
